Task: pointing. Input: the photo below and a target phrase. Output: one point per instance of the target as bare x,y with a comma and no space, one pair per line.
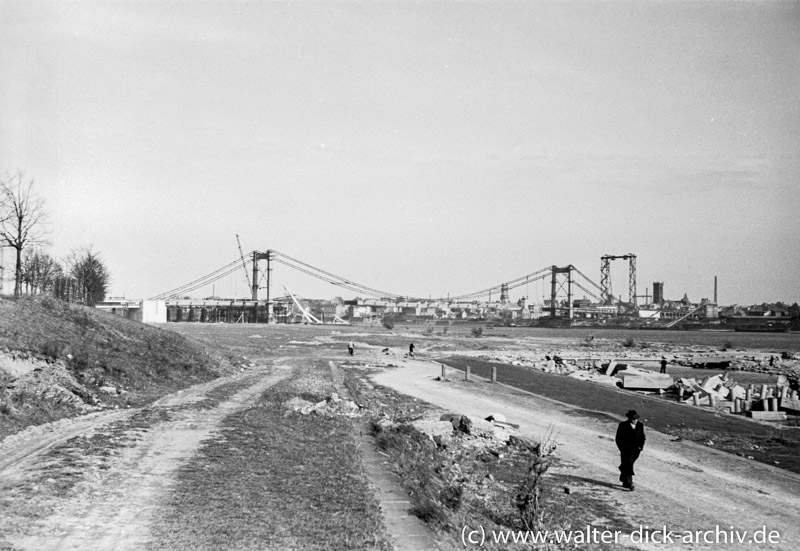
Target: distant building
144,311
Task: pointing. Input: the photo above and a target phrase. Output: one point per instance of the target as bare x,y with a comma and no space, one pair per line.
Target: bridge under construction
263,307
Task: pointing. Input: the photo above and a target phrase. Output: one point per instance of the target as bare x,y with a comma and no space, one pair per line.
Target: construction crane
244,263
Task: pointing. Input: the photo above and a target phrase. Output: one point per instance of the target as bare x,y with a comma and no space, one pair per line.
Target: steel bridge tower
606,294
256,257
555,287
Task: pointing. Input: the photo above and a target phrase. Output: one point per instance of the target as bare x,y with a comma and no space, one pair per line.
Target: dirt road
680,485
98,481
117,488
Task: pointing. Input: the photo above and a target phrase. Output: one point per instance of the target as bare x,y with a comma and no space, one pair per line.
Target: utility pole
254,284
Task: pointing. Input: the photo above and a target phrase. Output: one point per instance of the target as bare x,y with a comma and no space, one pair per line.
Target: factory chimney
658,293
715,290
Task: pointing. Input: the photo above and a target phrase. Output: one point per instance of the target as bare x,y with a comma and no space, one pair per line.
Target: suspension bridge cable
585,290
200,282
337,280
216,274
587,279
513,284
205,283
345,283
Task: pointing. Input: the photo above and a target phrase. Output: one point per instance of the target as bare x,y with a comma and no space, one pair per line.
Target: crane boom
244,263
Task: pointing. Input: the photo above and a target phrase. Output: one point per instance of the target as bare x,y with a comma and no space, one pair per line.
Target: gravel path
680,485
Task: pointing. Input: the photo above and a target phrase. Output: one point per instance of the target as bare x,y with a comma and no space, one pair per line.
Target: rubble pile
330,406
23,378
466,430
785,363
764,401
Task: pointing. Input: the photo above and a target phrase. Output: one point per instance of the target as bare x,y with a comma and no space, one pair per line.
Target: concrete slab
791,404
655,381
767,415
713,360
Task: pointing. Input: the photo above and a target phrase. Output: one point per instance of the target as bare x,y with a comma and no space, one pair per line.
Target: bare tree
39,271
90,274
22,216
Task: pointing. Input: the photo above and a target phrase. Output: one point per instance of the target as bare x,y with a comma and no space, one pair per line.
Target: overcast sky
420,148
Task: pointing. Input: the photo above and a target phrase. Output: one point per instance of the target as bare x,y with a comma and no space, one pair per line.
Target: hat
632,414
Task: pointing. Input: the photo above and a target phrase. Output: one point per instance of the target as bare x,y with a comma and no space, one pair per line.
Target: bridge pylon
555,286
256,257
606,294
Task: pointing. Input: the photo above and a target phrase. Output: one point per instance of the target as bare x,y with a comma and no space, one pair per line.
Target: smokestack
658,293
715,290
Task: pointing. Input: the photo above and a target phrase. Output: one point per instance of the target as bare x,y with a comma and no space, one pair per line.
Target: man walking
351,346
630,441
663,364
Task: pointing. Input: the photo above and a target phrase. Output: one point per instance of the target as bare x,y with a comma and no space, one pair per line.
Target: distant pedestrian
630,442
411,349
771,361
663,364
351,346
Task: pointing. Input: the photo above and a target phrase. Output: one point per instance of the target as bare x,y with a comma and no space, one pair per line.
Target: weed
527,499
388,323
727,345
78,359
477,331
52,349
629,342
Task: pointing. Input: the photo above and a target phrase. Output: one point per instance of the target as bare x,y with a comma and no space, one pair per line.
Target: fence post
494,373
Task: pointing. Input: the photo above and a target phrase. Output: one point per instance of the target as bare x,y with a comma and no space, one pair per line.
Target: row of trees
81,277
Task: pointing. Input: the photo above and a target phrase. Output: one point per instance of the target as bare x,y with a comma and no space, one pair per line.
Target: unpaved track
114,511
680,484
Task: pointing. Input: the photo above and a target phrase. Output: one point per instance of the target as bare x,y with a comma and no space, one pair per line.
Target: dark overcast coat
629,438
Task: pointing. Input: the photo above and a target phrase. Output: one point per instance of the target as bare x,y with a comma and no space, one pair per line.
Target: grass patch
97,349
273,479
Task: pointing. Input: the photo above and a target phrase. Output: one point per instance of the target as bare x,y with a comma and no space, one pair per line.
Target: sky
420,148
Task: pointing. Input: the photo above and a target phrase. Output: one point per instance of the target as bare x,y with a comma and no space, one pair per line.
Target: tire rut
112,509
